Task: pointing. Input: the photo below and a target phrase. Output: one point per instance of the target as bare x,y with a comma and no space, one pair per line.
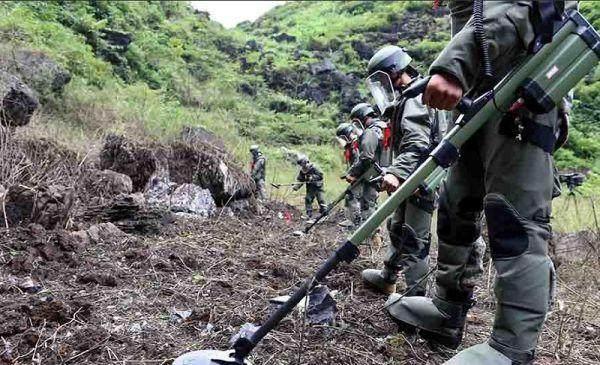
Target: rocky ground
112,298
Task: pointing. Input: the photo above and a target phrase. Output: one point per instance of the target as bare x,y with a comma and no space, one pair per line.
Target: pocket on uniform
519,16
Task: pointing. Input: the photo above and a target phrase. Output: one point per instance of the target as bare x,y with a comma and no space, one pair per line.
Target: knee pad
458,228
506,227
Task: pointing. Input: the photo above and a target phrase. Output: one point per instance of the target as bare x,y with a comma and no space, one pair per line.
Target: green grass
572,213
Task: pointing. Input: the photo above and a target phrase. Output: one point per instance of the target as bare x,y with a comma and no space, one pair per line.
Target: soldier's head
395,62
346,133
303,162
363,114
254,150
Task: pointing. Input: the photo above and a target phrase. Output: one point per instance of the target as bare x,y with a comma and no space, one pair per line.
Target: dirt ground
112,302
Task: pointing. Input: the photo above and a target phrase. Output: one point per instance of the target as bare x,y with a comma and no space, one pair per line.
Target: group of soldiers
502,173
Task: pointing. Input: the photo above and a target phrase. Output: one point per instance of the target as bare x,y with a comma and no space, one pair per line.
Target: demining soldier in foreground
313,179
257,171
415,130
347,135
371,151
505,174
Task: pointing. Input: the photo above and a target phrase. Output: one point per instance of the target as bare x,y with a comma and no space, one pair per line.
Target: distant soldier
371,152
257,171
348,134
370,148
312,177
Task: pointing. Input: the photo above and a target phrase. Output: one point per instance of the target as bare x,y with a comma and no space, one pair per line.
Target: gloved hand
296,187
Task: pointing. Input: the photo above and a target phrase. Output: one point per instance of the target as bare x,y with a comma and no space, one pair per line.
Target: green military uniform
510,179
416,130
313,177
370,150
352,198
257,172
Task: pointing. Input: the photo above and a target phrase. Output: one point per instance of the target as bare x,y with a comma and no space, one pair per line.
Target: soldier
313,179
415,130
257,170
505,174
347,134
371,151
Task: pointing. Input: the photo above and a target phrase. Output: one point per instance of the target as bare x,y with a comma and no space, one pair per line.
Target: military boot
384,281
440,320
415,277
480,354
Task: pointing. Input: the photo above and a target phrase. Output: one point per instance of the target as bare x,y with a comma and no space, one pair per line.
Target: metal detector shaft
575,48
347,252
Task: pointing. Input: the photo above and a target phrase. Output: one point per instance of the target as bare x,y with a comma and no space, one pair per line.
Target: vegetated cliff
151,69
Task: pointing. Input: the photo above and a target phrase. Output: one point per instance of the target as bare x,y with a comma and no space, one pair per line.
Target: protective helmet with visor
346,133
387,64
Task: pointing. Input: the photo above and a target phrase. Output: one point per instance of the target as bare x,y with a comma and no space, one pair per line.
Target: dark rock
364,50
253,45
210,168
106,233
17,101
124,156
247,89
107,183
37,70
48,206
129,214
201,135
314,93
228,47
322,67
284,37
381,38
202,15
116,38
297,54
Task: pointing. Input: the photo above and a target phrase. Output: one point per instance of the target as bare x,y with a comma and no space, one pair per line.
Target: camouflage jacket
258,168
313,177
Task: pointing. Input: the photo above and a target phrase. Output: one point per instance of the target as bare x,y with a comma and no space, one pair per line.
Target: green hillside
146,69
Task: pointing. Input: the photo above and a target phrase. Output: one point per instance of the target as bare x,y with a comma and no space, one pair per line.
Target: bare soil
111,303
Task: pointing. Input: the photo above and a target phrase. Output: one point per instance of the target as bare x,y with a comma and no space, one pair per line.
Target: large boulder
48,206
129,213
17,101
190,198
364,50
322,67
284,37
107,183
127,157
154,166
37,70
211,169
198,134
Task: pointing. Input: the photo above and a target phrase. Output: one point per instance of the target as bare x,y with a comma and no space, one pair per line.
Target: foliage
149,68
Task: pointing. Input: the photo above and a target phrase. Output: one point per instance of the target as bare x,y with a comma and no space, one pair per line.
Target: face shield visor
342,140
382,90
359,126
